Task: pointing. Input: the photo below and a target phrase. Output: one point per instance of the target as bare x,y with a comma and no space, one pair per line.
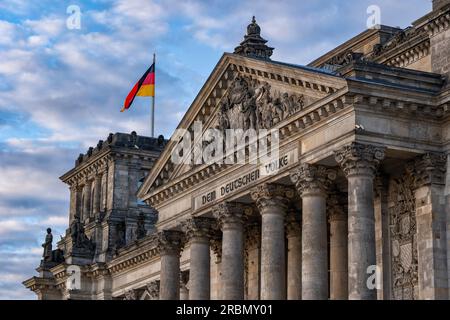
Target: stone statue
79,238
47,245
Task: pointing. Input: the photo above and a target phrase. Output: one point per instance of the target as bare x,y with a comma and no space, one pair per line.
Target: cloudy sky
61,89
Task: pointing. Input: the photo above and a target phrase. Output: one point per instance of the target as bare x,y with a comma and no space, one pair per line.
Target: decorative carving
359,159
199,227
271,195
250,104
254,45
170,242
404,257
153,290
310,179
430,169
229,213
130,295
344,59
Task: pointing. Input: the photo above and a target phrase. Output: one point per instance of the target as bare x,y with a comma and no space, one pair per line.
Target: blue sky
61,90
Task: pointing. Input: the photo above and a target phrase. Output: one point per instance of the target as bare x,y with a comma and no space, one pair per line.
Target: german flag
145,87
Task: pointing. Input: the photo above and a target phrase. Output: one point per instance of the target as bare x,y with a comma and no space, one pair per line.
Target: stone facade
355,206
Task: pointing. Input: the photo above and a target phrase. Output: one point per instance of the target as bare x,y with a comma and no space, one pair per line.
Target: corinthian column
272,200
359,163
338,250
198,232
231,217
312,183
169,245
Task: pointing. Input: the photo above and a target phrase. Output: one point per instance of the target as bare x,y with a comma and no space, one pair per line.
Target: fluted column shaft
271,201
232,266
170,247
294,258
359,163
338,251
198,231
312,183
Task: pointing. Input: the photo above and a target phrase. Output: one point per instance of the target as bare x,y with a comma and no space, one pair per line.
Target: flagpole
153,100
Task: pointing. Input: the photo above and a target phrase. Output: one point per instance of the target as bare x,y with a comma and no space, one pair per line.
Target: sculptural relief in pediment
253,104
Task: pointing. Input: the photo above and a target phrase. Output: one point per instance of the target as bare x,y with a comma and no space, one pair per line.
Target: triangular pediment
245,93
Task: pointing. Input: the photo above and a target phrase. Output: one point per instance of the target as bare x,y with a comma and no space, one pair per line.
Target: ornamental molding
438,24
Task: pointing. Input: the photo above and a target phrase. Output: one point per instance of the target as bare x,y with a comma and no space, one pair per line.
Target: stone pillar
338,250
169,244
272,200
198,232
231,217
429,194
312,183
97,195
359,163
87,200
294,256
253,258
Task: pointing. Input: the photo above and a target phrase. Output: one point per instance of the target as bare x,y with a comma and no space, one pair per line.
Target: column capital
170,242
229,213
312,179
199,227
292,225
271,195
430,168
359,159
335,209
